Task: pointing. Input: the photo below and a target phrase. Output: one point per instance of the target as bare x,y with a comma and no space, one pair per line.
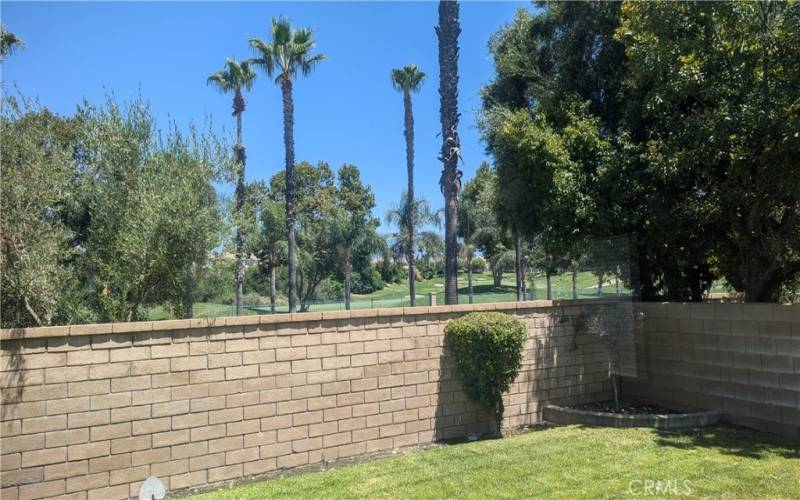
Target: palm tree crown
235,77
408,78
9,42
287,52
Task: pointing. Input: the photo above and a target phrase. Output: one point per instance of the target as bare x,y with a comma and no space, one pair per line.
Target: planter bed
661,420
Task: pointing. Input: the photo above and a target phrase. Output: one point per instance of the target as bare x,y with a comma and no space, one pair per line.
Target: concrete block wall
742,359
91,411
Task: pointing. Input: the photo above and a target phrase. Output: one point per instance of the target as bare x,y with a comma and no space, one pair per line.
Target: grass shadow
730,440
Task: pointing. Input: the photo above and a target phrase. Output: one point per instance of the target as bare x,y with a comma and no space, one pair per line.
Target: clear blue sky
346,111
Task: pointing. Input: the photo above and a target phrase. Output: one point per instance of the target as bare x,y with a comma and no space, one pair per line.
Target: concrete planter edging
568,416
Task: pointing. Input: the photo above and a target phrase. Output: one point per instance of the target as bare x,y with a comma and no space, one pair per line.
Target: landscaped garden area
563,462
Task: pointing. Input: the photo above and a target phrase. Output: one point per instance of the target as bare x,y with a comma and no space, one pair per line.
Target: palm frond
287,52
235,76
408,78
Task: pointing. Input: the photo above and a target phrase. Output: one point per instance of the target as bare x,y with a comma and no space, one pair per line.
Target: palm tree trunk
574,282
272,290
518,266
411,212
347,283
240,159
288,142
469,275
600,284
549,279
524,276
447,31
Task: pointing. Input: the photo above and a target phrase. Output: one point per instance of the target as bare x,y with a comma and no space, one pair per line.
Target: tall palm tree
9,42
233,78
287,52
450,182
407,80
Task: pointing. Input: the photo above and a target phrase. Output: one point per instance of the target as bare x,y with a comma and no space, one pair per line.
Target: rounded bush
487,349
478,264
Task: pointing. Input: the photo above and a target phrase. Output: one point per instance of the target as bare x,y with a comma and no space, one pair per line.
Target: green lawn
562,462
396,295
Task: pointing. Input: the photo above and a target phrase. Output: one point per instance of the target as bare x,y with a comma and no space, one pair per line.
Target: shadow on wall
14,376
456,416
562,364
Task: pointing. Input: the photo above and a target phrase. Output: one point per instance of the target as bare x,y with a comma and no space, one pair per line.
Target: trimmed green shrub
487,348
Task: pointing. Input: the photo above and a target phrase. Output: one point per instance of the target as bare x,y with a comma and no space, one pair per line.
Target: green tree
407,80
234,78
103,216
353,221
721,104
565,67
317,253
270,246
287,53
447,32
148,208
38,172
478,221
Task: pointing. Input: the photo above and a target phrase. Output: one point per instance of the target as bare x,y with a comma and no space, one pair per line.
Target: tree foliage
103,216
675,124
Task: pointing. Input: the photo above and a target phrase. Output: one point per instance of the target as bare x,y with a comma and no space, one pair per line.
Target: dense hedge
487,348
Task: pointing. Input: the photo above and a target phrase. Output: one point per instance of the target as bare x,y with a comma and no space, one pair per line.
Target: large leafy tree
565,68
478,225
407,80
103,217
286,54
237,76
38,172
447,31
317,253
147,213
353,221
719,93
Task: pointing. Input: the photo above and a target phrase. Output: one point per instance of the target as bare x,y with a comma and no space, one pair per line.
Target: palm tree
9,42
233,78
407,80
400,215
450,182
286,53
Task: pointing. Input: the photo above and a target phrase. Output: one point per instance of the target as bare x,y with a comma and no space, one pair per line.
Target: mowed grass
562,462
396,295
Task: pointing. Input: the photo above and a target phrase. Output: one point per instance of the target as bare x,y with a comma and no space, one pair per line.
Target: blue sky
346,111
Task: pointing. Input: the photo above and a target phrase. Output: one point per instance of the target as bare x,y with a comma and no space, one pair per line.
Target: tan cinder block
89,450
87,357
42,490
43,457
225,473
